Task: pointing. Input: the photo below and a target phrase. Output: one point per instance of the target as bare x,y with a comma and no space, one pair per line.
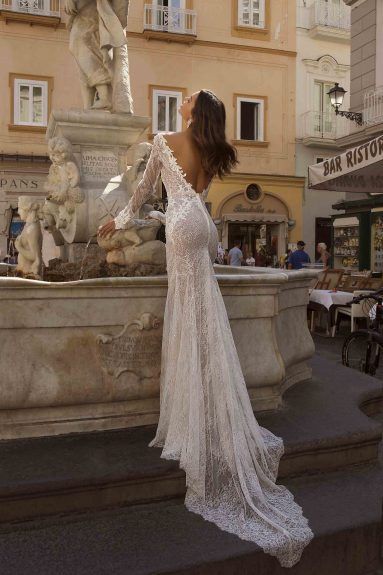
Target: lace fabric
206,419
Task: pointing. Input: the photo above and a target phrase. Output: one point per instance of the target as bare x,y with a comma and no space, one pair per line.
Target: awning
345,222
255,217
357,170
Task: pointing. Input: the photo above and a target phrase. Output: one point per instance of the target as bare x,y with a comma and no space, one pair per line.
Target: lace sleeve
144,188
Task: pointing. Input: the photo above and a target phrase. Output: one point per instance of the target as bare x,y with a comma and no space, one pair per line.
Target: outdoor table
326,301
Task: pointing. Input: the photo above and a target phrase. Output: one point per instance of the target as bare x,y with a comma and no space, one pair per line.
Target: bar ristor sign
357,170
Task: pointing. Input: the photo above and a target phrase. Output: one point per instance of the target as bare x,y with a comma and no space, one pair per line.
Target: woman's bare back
189,160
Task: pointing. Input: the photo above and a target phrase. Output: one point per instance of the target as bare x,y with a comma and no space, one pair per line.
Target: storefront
256,220
358,232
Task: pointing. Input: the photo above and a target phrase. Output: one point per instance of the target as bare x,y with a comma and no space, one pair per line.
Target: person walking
299,257
206,418
236,255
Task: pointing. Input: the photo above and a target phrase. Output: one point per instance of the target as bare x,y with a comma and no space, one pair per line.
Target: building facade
323,58
360,215
244,50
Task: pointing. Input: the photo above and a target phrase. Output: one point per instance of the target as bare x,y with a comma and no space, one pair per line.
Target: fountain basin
85,355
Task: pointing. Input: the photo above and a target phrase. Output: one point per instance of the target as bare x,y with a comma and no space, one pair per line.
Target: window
166,117
250,118
30,102
251,13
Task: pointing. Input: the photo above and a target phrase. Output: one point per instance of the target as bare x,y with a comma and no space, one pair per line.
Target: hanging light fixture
336,95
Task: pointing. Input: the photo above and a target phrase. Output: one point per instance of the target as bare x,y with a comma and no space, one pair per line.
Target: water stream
84,256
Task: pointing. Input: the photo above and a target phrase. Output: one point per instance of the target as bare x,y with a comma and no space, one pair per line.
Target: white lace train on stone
206,419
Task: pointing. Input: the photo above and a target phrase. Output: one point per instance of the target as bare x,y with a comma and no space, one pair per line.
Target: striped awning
255,217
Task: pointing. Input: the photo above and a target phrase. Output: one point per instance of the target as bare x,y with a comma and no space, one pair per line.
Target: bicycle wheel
360,351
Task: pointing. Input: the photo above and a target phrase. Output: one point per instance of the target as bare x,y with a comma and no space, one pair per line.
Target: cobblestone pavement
331,349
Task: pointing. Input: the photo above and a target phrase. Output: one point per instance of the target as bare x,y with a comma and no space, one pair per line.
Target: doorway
323,231
258,239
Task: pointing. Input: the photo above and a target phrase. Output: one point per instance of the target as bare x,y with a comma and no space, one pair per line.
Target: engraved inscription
136,348
97,164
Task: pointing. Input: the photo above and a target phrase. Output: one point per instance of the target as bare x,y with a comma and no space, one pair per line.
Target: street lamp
336,95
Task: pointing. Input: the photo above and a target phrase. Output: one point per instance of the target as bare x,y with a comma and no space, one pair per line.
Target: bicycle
362,348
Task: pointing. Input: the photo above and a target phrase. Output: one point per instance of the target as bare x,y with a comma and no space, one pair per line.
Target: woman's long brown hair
208,132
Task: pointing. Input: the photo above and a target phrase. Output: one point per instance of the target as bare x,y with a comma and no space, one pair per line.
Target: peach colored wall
219,60
34,50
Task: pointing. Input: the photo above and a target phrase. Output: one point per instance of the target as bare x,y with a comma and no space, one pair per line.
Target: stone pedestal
100,142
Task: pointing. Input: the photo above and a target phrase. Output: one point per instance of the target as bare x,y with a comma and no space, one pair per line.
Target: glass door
323,115
170,15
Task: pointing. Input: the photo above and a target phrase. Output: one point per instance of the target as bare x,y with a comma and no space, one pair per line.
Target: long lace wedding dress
206,419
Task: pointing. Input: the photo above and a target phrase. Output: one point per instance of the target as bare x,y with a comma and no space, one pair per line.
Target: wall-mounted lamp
336,95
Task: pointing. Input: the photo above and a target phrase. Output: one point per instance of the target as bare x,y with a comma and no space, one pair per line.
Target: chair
373,284
354,311
353,283
330,279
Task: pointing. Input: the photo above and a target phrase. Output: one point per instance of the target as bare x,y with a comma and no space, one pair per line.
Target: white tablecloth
327,298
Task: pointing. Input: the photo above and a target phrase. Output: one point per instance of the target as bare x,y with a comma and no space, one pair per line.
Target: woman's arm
144,188
143,191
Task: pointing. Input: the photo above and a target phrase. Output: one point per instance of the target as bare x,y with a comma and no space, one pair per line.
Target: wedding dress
206,419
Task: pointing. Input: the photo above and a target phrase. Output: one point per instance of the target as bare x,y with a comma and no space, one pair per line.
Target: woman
206,419
324,255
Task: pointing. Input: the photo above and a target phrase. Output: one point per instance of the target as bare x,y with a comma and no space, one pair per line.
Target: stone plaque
98,165
137,348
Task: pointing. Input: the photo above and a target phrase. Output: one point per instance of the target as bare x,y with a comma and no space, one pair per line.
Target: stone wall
363,51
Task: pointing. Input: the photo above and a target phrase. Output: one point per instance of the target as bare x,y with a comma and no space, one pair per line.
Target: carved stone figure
29,242
98,43
59,210
137,244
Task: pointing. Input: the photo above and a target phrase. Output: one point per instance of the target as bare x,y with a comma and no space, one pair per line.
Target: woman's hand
107,229
156,215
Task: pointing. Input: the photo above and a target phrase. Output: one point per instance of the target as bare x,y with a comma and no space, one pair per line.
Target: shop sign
258,209
12,184
357,170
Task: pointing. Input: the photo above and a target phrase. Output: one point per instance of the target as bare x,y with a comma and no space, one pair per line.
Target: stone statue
137,243
29,242
59,210
98,43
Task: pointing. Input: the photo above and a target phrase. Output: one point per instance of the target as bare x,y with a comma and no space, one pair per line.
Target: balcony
326,20
43,12
320,129
373,107
171,24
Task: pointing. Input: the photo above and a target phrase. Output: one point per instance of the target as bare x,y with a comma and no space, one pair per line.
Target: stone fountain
91,355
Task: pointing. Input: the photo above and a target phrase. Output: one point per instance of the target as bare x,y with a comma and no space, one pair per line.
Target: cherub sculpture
29,242
63,190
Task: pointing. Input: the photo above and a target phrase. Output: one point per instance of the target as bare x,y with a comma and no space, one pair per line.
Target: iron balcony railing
373,106
323,125
168,19
321,13
38,7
